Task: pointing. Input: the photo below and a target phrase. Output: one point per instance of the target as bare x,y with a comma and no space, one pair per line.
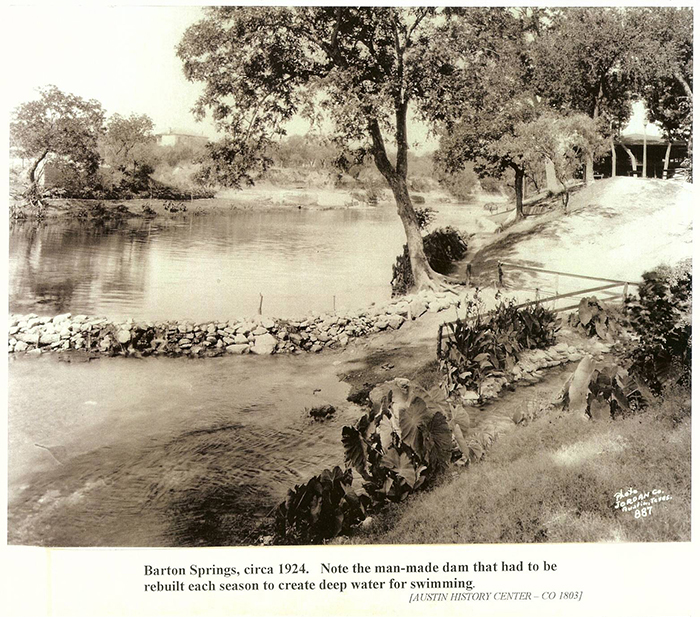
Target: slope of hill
617,228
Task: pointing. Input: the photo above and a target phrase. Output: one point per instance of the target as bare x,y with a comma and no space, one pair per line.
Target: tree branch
379,151
684,83
416,23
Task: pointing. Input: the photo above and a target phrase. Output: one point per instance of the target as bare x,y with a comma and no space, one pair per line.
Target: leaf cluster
609,391
398,447
58,124
661,318
472,349
593,318
320,509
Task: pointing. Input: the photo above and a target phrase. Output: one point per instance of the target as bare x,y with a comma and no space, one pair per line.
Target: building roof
637,139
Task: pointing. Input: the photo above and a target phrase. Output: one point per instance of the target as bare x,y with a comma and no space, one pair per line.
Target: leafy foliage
357,67
442,247
607,391
461,184
488,94
58,125
320,509
593,318
660,317
397,447
425,216
561,138
665,53
473,348
124,140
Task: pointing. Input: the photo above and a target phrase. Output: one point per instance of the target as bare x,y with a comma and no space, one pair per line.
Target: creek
163,452
211,267
205,267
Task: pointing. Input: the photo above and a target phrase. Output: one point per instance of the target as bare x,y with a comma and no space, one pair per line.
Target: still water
205,267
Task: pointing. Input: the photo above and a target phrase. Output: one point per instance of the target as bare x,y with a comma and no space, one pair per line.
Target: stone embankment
31,334
528,370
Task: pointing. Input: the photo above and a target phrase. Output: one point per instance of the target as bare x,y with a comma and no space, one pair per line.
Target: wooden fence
606,289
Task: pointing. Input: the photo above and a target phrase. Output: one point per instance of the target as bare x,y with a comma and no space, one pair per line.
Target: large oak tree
360,68
58,124
488,93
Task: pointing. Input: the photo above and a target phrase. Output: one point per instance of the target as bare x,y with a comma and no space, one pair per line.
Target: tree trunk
644,153
667,158
32,170
519,180
553,184
613,154
633,159
588,177
561,180
423,275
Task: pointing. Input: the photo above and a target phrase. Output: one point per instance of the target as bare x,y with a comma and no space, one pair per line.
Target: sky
125,58
122,56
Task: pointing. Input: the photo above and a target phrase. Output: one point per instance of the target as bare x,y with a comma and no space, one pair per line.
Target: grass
555,480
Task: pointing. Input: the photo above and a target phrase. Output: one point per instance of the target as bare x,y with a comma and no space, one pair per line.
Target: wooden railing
609,285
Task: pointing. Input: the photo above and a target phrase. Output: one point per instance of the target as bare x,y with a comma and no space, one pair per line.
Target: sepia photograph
295,276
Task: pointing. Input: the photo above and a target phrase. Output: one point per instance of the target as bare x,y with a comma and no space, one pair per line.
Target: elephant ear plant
320,509
398,447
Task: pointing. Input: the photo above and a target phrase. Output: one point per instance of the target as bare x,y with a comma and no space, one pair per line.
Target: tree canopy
489,93
57,124
477,76
124,136
359,68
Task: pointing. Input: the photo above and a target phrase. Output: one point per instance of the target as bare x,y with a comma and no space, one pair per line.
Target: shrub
320,509
660,318
593,318
461,185
471,349
604,390
442,247
397,448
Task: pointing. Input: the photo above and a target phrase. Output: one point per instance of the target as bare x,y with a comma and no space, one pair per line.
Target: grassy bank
555,480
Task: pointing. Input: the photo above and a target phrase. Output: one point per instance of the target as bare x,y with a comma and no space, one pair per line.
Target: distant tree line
89,154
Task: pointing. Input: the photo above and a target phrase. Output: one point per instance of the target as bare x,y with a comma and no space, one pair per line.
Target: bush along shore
35,335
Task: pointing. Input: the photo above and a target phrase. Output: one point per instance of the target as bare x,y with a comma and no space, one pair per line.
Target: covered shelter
663,157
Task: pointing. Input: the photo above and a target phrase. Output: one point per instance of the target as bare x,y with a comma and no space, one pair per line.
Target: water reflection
204,267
